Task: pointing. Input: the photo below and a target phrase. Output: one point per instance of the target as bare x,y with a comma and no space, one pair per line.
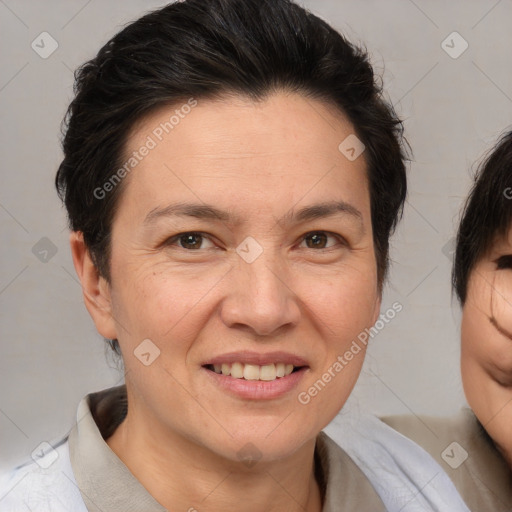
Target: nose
260,300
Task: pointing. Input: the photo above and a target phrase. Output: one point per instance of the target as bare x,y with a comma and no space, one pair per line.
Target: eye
190,241
504,262
319,240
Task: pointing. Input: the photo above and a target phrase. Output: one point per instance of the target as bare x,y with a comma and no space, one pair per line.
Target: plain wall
453,108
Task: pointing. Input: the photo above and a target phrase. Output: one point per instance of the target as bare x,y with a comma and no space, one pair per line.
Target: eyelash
171,241
504,262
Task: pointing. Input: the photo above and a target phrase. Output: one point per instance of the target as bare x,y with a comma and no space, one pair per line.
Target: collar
106,483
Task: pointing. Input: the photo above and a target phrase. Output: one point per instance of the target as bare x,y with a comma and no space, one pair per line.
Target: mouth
252,375
254,372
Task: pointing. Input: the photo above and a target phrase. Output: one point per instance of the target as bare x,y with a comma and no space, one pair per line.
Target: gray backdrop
455,102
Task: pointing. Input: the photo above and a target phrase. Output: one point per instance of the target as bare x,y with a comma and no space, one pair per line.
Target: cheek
486,364
158,304
348,303
345,312
474,379
171,304
474,337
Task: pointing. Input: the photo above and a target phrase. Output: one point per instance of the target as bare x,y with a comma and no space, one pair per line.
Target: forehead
237,151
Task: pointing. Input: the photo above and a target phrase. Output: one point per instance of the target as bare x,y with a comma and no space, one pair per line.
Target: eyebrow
209,212
321,210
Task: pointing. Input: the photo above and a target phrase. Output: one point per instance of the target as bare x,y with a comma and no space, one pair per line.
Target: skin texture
486,354
260,162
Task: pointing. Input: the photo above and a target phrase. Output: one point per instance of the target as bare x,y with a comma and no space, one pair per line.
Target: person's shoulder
427,430
357,492
446,438
466,453
397,467
44,482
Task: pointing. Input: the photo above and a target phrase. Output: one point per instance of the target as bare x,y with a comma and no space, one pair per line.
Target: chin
262,446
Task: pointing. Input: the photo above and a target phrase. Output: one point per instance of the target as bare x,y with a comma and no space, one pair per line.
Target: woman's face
242,242
487,343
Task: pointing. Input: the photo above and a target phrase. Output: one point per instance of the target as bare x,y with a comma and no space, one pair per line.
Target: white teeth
237,370
266,372
251,371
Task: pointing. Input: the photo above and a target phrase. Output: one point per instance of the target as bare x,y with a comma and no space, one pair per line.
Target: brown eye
319,240
190,241
316,240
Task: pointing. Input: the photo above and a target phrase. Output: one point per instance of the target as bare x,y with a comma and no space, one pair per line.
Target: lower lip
257,389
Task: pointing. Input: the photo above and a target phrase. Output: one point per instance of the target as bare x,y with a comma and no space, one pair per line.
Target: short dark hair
487,213
207,49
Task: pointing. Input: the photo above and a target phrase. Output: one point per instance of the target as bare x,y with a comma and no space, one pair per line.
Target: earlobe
96,290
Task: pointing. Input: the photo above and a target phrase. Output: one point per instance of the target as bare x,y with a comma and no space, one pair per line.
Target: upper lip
248,357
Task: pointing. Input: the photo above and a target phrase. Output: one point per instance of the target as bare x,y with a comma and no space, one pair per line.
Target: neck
183,475
507,456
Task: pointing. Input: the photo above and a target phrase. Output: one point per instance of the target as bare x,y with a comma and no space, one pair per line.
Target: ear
95,288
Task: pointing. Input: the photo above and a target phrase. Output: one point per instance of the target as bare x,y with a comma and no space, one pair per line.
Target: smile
253,375
267,372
